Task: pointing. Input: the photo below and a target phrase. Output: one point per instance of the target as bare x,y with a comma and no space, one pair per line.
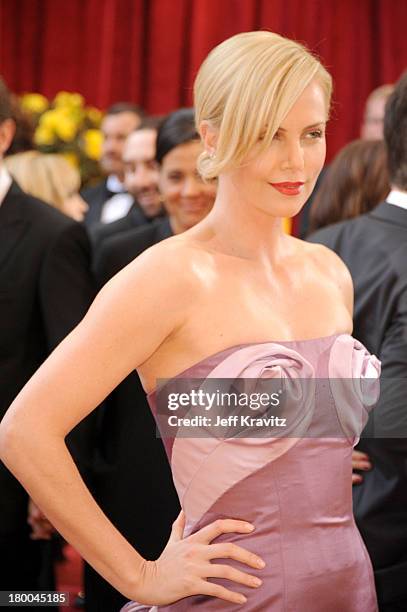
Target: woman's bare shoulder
332,267
148,300
164,273
169,260
328,261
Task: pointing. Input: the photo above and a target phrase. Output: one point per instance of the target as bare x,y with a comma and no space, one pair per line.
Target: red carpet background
69,576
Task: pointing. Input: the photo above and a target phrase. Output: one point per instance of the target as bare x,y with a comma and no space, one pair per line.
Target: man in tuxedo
109,200
374,247
140,180
45,289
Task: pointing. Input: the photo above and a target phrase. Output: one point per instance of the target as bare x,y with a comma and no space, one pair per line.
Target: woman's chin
286,209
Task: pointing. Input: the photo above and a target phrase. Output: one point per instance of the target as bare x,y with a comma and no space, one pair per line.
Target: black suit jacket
115,252
45,289
374,247
100,231
132,480
95,197
45,285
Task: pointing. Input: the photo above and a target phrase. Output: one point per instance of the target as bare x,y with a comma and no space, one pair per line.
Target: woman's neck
236,227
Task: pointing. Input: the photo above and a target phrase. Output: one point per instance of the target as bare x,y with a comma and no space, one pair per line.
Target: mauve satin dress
297,491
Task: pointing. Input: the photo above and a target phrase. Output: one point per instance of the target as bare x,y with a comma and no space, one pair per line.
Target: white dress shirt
397,198
119,204
5,182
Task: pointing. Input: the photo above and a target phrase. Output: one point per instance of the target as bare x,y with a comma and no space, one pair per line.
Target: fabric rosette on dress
354,378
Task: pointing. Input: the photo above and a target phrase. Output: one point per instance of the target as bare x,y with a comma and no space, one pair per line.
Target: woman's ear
209,137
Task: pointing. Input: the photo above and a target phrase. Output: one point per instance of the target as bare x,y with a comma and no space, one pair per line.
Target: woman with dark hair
177,128
187,199
356,181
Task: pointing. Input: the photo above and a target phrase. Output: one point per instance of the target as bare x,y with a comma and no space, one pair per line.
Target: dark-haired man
45,290
140,180
374,246
109,199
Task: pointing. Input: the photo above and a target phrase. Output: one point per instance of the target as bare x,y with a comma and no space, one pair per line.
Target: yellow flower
66,128
44,136
77,100
77,114
92,143
71,158
65,98
49,120
34,103
71,113
94,115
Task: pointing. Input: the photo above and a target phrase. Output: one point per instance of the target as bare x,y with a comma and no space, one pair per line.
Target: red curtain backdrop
148,51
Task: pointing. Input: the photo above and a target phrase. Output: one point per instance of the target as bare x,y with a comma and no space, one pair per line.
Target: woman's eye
316,134
175,177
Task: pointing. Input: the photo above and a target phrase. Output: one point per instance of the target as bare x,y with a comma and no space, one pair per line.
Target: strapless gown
297,491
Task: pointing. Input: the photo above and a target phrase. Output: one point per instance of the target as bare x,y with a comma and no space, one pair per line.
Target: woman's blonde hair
245,88
47,176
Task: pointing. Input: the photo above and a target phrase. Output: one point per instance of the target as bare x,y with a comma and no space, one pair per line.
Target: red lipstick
288,188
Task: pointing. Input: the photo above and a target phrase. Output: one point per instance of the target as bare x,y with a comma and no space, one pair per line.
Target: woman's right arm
123,328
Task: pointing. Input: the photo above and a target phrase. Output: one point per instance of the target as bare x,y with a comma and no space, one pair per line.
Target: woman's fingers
237,553
227,550
215,529
360,461
215,590
356,479
191,557
231,573
178,526
361,465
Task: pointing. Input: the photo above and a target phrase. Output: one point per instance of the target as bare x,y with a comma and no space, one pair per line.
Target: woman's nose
191,187
293,156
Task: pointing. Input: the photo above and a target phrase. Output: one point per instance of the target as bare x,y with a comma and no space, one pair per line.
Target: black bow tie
110,194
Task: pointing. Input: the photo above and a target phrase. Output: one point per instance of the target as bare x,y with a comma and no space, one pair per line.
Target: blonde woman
50,178
232,297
